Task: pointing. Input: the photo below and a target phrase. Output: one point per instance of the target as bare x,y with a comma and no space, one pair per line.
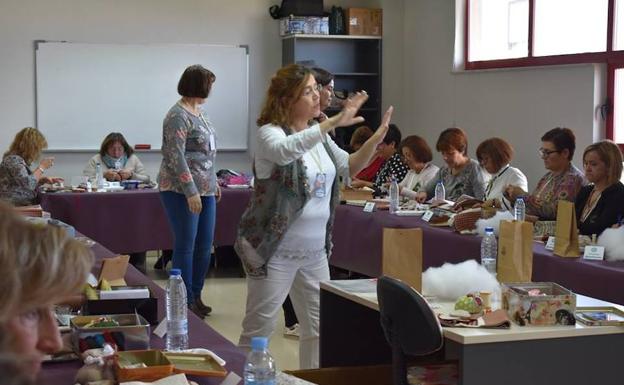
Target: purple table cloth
358,241
200,335
135,221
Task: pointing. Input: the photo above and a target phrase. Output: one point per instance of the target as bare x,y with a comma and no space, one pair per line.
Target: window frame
613,59
530,60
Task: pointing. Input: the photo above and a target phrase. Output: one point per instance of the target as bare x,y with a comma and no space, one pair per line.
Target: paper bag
566,232
114,270
402,255
515,251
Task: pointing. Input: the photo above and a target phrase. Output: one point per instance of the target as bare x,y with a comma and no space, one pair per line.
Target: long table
134,221
200,335
358,247
351,335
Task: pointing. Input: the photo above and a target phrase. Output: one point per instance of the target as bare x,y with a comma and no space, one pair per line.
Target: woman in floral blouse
18,183
188,182
562,181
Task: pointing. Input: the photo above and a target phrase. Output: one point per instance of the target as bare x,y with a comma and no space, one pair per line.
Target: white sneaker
292,331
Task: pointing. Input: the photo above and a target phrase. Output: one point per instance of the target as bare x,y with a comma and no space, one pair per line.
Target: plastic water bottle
489,250
440,192
99,177
259,367
394,195
519,210
177,323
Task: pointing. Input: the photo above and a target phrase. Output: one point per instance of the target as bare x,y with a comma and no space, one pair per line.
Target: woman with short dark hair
417,155
188,182
600,204
494,155
461,175
563,180
117,160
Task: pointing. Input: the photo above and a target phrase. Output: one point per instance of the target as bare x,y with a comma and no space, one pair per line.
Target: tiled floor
226,293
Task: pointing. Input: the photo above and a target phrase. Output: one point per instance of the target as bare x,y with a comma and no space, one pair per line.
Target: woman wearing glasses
601,204
562,181
284,236
494,155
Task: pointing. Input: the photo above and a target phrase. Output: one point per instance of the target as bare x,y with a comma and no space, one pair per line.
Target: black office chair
409,324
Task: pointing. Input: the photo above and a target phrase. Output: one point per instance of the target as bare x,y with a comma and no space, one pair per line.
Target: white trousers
299,277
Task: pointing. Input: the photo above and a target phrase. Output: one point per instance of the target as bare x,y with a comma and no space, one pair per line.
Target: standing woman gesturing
284,237
188,182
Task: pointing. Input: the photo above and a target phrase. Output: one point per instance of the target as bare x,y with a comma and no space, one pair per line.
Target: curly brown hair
285,89
28,144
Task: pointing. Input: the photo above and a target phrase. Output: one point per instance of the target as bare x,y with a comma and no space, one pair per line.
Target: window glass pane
618,107
570,26
499,29
618,35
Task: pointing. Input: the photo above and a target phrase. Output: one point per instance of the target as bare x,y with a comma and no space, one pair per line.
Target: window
570,26
618,106
498,29
618,35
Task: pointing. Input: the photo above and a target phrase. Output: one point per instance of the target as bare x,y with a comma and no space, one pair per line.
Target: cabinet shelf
331,37
356,74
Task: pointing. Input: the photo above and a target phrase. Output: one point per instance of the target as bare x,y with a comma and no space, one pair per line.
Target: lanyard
317,158
491,182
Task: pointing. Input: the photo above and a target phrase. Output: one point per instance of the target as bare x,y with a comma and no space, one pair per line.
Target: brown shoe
193,307
202,306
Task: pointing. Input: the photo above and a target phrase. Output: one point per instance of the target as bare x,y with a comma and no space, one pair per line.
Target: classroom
425,73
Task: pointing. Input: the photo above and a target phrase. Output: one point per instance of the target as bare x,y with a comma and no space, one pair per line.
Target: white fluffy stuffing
493,222
450,281
613,240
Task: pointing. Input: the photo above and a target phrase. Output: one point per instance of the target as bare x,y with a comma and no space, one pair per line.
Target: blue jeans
193,235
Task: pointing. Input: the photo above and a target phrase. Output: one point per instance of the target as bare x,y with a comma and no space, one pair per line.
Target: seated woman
562,181
461,175
417,155
18,183
601,204
494,155
117,160
40,267
393,164
359,137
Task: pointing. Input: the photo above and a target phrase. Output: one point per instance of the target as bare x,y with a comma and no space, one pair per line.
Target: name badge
369,207
427,215
550,244
594,252
212,143
319,185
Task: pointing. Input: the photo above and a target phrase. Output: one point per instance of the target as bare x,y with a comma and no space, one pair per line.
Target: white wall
146,21
516,104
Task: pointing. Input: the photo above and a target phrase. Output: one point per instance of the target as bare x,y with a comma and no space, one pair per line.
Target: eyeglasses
310,90
545,153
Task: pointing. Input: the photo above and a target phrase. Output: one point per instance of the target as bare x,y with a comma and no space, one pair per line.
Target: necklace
592,201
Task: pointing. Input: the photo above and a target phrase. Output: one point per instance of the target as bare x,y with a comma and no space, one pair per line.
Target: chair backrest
407,319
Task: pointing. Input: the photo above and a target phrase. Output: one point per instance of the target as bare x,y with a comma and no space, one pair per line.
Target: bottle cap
174,272
489,229
259,343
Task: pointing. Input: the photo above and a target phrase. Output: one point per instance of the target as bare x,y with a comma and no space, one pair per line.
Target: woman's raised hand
380,134
347,117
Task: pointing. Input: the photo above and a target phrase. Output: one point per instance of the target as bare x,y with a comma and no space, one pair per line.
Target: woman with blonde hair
284,237
40,266
600,204
18,183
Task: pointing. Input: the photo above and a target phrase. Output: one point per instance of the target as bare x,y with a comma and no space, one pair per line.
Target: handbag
297,8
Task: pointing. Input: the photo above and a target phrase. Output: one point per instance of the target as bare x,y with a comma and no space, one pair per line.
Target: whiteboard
85,91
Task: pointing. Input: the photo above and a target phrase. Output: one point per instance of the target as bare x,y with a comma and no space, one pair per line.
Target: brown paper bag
402,255
566,232
515,251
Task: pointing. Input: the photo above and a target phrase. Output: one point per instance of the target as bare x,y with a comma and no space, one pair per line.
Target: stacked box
539,303
309,25
364,21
